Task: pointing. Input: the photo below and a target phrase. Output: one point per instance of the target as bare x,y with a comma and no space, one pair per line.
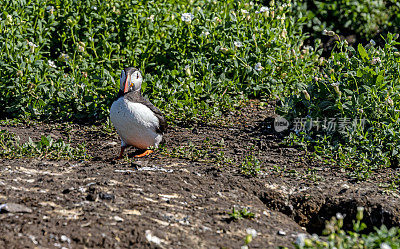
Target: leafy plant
349,112
250,166
339,238
46,147
241,214
365,19
199,58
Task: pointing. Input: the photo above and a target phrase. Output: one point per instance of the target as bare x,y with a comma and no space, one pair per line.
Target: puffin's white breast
135,123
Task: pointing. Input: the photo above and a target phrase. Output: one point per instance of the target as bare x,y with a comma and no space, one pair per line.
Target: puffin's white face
131,81
136,81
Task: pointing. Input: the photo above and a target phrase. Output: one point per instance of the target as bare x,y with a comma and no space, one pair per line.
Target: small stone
252,232
14,208
151,238
65,239
82,189
345,186
105,196
139,164
281,233
33,238
118,219
267,213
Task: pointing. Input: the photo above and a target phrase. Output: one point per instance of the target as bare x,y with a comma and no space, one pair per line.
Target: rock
105,196
281,233
33,238
118,219
65,239
14,208
151,238
138,164
112,143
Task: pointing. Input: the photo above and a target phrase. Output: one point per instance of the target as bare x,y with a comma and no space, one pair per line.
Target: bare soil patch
181,198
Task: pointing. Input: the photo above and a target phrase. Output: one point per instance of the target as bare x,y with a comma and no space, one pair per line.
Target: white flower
81,47
372,42
52,64
375,60
205,33
328,33
91,39
258,67
217,19
244,11
339,216
284,34
151,18
187,71
50,9
263,9
238,44
335,84
252,232
389,101
385,246
224,50
187,17
9,18
94,7
63,57
32,45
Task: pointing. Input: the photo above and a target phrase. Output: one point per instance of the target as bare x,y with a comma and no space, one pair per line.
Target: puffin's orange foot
147,152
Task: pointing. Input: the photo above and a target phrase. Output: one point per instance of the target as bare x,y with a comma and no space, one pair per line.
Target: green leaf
379,79
359,73
362,51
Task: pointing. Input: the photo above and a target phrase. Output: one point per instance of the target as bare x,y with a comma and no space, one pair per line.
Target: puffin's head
131,80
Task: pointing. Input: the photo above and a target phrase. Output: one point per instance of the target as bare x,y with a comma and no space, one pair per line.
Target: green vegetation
241,214
250,166
336,237
62,60
46,147
365,19
358,90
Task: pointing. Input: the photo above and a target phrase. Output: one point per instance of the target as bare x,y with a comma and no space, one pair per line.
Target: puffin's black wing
137,97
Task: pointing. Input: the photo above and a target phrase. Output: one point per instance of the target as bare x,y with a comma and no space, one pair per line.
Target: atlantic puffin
137,121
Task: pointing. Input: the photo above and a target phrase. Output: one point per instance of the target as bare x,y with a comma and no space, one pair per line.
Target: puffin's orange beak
126,84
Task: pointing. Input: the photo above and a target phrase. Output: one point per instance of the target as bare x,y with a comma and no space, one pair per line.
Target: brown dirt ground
180,196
